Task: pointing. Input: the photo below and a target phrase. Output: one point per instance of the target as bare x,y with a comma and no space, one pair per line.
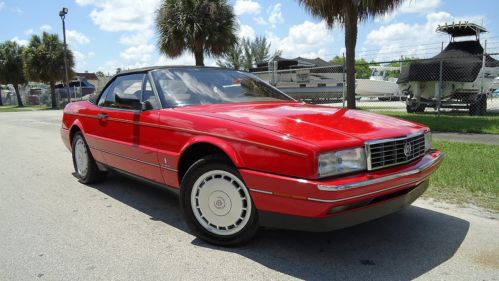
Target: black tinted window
182,87
123,86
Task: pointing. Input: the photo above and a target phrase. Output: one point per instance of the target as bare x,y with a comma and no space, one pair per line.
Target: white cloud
135,19
275,14
137,38
406,39
17,10
76,38
140,53
242,7
260,20
81,59
185,59
246,31
109,67
419,6
411,7
122,15
21,42
29,31
307,39
46,28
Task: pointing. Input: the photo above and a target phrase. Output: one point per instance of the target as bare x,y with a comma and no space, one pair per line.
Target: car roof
149,68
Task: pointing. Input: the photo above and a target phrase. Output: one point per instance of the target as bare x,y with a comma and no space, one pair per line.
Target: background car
81,88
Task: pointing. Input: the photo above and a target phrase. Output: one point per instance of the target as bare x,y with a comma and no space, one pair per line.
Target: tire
86,169
479,107
414,107
216,204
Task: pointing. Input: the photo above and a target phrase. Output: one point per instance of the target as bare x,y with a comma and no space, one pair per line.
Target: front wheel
216,204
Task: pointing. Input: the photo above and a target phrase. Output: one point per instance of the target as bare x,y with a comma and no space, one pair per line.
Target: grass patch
488,124
13,108
469,174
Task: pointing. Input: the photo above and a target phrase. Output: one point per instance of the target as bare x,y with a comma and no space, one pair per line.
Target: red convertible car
241,154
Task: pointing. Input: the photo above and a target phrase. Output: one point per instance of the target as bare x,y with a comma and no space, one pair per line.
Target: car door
127,136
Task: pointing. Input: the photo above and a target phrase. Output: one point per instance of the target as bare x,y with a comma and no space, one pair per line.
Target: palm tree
44,61
349,13
203,27
11,67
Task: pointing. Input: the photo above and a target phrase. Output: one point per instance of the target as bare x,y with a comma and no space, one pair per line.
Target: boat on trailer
459,77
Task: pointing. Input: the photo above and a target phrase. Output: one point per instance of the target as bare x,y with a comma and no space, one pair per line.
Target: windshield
194,86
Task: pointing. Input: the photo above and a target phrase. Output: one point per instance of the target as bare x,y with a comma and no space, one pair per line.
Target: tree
362,70
260,49
11,67
99,74
44,61
349,14
247,53
203,27
233,58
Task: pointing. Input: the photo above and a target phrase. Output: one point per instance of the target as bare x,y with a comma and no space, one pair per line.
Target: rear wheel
216,204
84,164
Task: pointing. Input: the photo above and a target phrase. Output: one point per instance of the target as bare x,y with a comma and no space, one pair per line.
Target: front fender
224,145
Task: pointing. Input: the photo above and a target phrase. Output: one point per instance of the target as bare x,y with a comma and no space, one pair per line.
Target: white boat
495,85
309,80
379,85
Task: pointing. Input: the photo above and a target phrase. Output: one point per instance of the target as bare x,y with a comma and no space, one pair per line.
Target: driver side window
123,86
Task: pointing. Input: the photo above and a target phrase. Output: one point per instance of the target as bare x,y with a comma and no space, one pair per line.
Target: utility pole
63,14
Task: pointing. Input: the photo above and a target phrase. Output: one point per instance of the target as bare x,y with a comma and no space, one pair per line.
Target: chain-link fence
33,94
313,85
451,81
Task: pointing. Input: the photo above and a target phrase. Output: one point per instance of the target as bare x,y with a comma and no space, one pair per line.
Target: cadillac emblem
407,149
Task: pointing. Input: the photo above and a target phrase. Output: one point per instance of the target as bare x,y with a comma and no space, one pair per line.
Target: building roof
297,62
86,76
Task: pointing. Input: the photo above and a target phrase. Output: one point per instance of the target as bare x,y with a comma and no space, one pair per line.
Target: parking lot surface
54,228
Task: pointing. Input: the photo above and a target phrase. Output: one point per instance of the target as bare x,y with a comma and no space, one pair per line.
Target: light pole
63,14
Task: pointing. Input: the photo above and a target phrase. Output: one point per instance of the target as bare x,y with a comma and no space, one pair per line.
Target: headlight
341,162
427,141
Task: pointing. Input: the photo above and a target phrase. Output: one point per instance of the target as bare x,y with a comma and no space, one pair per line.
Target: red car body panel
275,146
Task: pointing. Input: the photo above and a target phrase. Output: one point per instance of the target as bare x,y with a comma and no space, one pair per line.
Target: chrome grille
389,152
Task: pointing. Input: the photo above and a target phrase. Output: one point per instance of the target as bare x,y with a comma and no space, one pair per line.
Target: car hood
322,126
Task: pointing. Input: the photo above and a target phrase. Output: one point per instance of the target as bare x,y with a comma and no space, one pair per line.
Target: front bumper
332,197
344,219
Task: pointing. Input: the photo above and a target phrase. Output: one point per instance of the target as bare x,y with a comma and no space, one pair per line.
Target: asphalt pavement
54,228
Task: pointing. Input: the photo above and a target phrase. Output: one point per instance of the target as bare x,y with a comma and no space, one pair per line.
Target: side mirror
146,105
128,102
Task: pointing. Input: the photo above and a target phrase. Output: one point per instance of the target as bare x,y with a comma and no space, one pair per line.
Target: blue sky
106,34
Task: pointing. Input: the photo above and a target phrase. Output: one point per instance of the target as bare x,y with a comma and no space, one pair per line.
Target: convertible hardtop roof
149,68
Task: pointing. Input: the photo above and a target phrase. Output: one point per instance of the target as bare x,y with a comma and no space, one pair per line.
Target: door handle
101,116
